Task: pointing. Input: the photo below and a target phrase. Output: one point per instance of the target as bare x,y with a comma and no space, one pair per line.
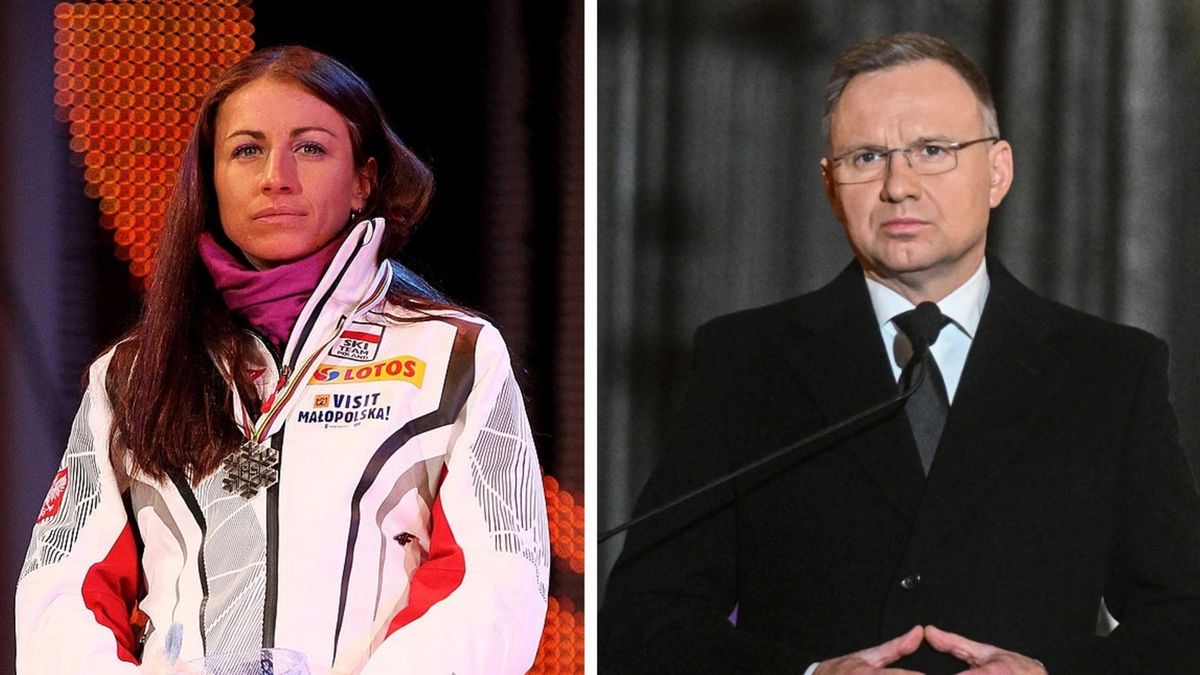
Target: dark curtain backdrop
710,198
489,93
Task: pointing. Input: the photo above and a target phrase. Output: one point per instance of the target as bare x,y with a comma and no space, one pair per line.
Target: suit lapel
844,367
1010,371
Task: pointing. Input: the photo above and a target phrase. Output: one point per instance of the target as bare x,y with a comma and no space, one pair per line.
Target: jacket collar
339,290
840,359
1013,369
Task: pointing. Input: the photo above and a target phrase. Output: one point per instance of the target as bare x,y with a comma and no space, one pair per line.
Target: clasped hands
981,659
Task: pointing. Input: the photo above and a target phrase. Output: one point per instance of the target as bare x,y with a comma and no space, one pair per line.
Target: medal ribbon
291,384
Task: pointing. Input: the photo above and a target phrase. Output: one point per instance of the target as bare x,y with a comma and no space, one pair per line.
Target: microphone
926,323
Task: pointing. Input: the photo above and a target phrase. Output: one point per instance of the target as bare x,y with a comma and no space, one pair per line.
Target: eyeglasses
927,158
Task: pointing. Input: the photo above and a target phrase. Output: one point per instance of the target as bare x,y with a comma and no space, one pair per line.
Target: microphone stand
917,358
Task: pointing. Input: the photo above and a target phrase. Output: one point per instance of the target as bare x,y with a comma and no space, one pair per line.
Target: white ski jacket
406,533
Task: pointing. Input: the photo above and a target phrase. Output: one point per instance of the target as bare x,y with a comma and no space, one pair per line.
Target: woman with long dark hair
300,444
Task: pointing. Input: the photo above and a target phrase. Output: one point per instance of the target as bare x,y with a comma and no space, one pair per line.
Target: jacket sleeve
79,582
478,603
1153,585
672,591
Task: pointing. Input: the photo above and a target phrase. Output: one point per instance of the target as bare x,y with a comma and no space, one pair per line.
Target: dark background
710,198
490,94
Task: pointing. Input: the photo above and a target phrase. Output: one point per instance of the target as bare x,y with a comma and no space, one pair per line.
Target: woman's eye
312,149
245,151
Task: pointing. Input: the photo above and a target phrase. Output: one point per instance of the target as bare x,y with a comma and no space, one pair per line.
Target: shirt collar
964,306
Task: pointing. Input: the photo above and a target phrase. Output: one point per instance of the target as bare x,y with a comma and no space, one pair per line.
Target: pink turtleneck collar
270,300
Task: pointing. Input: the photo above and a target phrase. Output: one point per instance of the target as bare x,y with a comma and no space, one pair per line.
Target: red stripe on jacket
110,591
439,576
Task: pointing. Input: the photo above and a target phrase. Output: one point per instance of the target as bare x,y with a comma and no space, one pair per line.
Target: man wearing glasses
1033,477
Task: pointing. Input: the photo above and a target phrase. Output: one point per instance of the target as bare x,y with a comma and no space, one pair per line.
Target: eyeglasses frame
954,146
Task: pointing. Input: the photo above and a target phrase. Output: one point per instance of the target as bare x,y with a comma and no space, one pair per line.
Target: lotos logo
54,498
403,368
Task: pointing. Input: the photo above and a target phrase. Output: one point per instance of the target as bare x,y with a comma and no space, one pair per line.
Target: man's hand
875,659
983,659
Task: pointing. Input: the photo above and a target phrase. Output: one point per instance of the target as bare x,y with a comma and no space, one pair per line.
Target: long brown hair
170,401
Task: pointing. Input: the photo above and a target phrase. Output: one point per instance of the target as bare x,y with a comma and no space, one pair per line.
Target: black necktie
928,406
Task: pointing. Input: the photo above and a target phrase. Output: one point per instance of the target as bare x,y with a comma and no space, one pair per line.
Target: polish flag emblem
55,497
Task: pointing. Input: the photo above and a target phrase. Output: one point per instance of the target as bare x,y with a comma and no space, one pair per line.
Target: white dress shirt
963,307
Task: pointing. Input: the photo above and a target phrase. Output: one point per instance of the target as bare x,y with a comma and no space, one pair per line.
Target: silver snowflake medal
253,467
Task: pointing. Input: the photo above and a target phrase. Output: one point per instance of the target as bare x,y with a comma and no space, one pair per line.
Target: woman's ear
365,182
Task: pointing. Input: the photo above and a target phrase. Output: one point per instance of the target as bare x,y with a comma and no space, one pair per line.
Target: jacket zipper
271,591
271,599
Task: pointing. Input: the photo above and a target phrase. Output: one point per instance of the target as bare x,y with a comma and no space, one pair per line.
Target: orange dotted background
129,76
566,524
128,79
561,649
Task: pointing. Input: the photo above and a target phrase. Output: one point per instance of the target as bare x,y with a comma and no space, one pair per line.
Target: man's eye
866,158
933,151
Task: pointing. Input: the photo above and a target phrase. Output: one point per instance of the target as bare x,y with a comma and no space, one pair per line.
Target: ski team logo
54,499
359,342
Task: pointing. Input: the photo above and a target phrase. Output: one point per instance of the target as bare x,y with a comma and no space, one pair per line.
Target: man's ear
1000,162
831,191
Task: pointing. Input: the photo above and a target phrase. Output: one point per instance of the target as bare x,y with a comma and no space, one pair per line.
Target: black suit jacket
1059,481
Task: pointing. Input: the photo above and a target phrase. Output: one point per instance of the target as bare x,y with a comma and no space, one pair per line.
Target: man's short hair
900,48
